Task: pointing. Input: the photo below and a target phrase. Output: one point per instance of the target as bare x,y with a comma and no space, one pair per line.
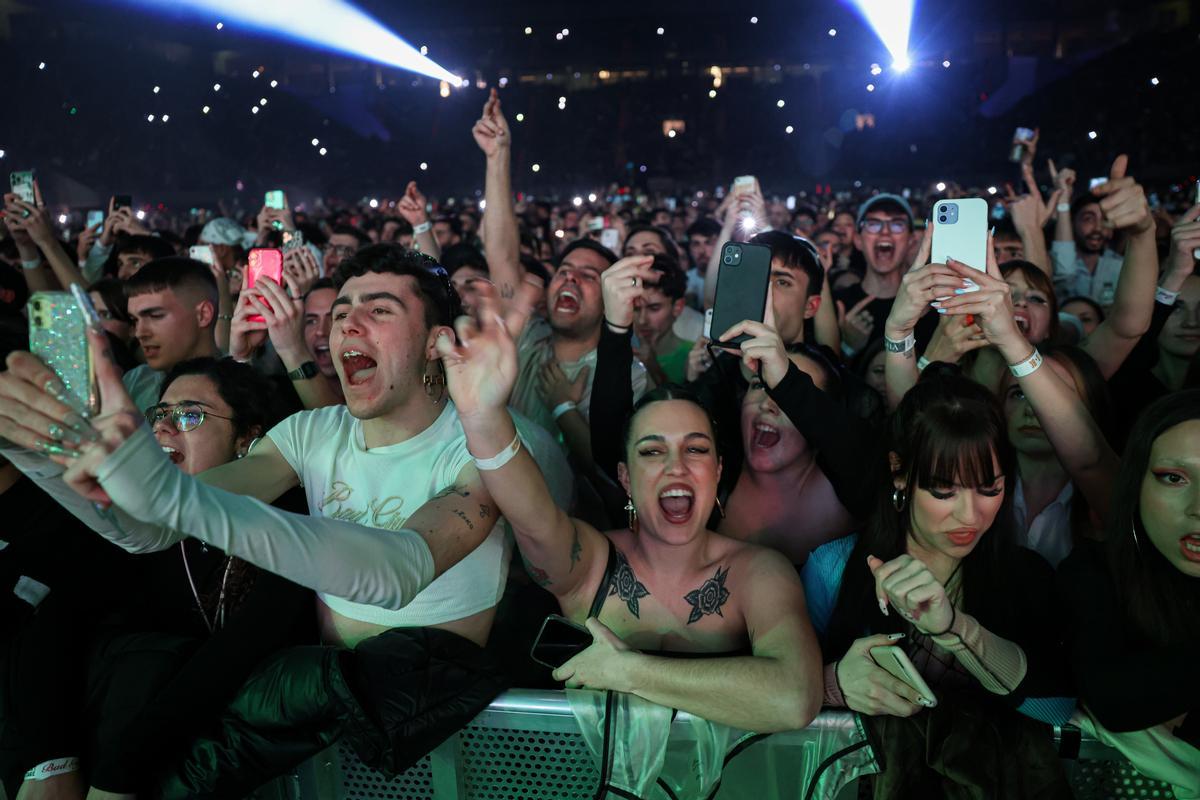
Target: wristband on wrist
615,328
563,407
226,317
32,264
1063,208
1026,366
500,459
53,768
922,363
847,350
903,346
1165,296
422,228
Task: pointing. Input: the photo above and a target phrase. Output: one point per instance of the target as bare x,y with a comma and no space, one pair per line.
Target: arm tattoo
576,547
483,511
507,292
709,598
452,489
626,586
463,517
537,574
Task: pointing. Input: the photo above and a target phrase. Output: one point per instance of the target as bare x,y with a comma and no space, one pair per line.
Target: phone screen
22,186
559,641
274,199
95,218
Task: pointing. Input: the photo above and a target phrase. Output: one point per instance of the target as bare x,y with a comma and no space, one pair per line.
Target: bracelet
422,228
1062,208
903,346
563,407
226,317
615,328
500,459
1165,296
847,350
53,768
922,363
33,264
950,627
1026,366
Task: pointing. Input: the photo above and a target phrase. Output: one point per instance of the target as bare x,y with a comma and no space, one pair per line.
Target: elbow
800,706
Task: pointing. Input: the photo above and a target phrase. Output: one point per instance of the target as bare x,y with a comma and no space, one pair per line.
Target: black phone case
741,287
559,641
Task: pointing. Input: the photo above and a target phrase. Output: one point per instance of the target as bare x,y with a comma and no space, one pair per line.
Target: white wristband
422,228
1027,366
500,459
922,363
903,346
32,264
1062,208
1165,296
562,408
53,768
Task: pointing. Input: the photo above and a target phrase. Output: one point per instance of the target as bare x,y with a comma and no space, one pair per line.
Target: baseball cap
891,199
224,230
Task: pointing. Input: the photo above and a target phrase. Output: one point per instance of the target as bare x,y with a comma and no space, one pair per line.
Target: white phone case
964,239
894,661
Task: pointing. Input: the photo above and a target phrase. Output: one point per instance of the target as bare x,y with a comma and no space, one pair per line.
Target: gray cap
224,230
893,199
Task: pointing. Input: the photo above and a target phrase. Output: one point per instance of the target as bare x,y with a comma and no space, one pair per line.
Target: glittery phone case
58,336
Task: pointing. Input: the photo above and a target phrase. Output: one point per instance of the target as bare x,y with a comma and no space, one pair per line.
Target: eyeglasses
343,250
896,226
184,416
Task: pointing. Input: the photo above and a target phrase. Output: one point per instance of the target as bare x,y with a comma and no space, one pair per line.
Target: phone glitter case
58,336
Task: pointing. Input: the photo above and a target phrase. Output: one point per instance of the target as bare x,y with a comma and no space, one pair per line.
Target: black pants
394,698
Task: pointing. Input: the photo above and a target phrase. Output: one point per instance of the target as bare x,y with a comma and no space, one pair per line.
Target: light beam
891,20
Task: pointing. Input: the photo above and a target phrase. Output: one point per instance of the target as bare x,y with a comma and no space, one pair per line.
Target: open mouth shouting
885,252
1190,547
321,354
358,367
765,435
567,301
676,503
173,454
1021,317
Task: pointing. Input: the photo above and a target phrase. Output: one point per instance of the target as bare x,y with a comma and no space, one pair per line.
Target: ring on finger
633,281
56,431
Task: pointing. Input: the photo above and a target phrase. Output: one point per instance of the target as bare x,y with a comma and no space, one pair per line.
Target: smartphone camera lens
37,322
944,209
942,218
728,259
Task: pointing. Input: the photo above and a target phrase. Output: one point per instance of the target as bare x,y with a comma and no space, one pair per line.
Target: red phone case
265,262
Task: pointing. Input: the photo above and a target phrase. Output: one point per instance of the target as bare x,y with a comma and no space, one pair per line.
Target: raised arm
1123,202
412,208
1072,431
480,372
728,214
777,688
502,244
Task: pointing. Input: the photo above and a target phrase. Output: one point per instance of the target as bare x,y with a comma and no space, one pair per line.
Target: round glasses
184,417
896,226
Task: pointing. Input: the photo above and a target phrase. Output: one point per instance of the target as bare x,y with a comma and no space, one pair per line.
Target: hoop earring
435,383
632,512
1137,544
899,499
720,508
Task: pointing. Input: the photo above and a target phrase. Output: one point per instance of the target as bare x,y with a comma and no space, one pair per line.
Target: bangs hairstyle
668,391
441,303
945,430
796,253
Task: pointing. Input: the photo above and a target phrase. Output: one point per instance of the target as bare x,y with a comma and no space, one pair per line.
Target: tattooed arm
777,688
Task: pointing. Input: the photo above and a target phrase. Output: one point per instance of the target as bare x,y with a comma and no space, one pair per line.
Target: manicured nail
56,450
936,304
883,606
54,388
72,438
81,426
895,637
56,431
927,703
961,291
941,311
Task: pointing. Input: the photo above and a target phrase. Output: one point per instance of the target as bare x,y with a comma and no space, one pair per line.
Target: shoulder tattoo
576,547
626,586
709,598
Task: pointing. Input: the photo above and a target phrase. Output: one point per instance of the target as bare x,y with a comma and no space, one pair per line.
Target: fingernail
970,284
72,438
941,311
55,388
78,423
895,637
55,450
883,607
961,291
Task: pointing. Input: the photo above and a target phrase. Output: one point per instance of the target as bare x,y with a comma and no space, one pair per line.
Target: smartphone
1094,182
1196,252
203,253
292,240
559,641
610,238
22,186
274,199
894,661
265,263
960,231
1021,139
596,223
743,278
122,201
58,336
95,218
744,184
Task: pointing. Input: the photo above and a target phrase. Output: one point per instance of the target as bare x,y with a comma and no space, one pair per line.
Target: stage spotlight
891,20
335,25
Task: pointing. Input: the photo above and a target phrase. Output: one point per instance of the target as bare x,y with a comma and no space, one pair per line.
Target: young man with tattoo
680,589
395,501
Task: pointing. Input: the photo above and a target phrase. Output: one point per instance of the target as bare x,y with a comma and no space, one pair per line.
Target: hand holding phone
743,278
895,662
559,641
265,263
22,186
960,232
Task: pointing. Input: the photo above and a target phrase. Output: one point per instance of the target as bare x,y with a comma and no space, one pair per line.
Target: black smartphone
743,278
122,201
559,641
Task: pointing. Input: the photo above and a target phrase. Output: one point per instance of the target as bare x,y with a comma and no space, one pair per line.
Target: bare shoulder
752,559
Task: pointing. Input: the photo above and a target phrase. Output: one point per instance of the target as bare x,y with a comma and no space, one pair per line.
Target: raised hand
699,359
557,389
1123,200
907,585
283,319
763,353
954,338
1064,181
491,130
300,271
246,336
857,324
412,205
1185,243
481,368
990,306
622,284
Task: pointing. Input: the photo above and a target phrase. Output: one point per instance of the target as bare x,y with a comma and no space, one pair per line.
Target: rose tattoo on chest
709,598
626,586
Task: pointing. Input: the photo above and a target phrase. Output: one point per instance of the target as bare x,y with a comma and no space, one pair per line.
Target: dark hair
664,236
113,292
174,273
588,244
1038,279
826,360
946,429
452,221
1085,199
668,391
152,246
322,283
1006,230
460,255
705,226
312,233
671,280
796,253
403,226
251,396
351,230
534,266
441,302
1159,601
1079,298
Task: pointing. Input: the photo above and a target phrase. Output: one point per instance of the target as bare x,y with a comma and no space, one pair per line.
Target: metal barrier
527,746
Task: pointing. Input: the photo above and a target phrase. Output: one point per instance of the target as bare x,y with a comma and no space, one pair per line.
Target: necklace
218,619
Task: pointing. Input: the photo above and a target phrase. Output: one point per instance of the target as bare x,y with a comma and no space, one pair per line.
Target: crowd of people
441,411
